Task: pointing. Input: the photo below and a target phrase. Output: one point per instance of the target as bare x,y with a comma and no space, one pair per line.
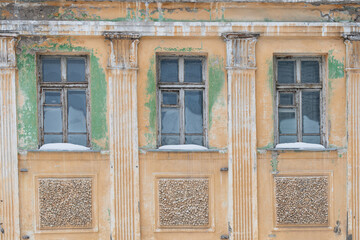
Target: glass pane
287,139
311,112
169,70
76,111
198,140
310,72
286,71
52,97
311,139
51,68
79,139
286,99
287,121
170,140
52,119
193,70
76,70
52,138
170,120
170,98
193,112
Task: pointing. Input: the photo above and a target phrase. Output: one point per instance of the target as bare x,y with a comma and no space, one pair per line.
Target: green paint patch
27,111
269,146
151,105
335,67
274,163
216,82
177,49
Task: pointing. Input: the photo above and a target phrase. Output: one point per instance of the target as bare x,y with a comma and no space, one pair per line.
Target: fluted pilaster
124,135
241,65
353,100
9,187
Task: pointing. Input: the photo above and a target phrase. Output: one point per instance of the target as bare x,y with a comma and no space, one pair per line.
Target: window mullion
299,117
65,117
182,117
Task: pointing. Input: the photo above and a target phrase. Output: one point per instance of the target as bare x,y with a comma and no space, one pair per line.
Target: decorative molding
9,183
65,203
241,65
353,126
124,136
184,202
302,200
185,29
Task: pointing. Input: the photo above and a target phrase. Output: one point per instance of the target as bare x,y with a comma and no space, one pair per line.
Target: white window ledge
63,147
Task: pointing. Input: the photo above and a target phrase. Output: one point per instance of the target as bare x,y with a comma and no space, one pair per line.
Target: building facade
189,120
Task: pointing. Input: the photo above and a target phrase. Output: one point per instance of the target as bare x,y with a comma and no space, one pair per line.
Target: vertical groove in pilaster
9,188
242,136
353,102
124,139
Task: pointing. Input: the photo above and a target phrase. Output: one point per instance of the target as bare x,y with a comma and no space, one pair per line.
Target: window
64,94
181,100
299,99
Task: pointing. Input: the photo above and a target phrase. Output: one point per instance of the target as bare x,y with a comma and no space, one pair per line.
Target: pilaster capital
123,49
352,42
7,50
240,50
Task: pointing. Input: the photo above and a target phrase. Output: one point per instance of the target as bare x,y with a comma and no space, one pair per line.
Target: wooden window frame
63,87
181,86
297,88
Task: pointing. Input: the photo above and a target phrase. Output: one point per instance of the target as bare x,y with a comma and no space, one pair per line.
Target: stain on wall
27,110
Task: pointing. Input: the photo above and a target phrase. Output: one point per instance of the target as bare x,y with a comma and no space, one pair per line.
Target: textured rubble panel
65,203
302,200
184,202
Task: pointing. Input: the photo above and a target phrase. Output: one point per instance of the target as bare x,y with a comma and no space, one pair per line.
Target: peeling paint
336,67
151,105
216,82
27,93
274,163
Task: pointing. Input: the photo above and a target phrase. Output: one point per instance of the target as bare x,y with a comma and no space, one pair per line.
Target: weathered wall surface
27,96
175,12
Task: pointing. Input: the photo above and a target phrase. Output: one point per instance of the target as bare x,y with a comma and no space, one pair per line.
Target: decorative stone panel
65,203
302,200
183,202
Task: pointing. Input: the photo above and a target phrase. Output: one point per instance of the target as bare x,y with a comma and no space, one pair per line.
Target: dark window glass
169,70
311,139
76,111
310,72
51,69
193,70
52,138
170,120
170,98
287,139
52,97
75,70
170,140
193,112
198,140
287,121
286,98
286,72
79,139
311,112
52,119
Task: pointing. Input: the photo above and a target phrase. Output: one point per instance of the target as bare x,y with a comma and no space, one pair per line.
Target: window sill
300,150
145,150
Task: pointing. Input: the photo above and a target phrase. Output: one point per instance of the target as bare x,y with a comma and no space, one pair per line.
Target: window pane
286,71
311,139
286,99
287,121
79,139
170,140
170,120
52,138
51,68
52,119
198,140
310,72
287,139
76,111
311,112
170,98
193,70
193,112
75,70
52,97
169,70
